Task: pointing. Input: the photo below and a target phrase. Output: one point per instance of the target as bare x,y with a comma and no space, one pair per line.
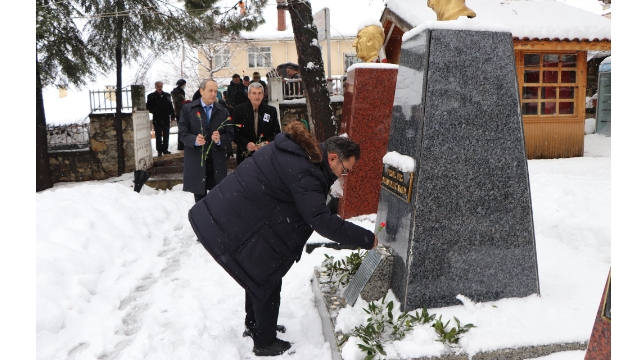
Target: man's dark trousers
263,317
210,178
162,135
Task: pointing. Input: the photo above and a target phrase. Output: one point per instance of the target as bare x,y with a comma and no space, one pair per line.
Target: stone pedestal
599,347
138,98
366,118
467,226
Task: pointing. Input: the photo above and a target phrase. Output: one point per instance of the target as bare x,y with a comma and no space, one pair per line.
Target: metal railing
68,137
105,100
293,88
335,85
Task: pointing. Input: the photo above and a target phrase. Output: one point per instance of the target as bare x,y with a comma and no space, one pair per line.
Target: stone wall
103,141
101,160
77,165
297,110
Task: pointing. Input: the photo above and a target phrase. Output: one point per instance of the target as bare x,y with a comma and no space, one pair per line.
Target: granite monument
455,186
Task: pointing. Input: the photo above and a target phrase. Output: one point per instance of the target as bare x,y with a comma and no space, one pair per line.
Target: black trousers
162,136
209,179
263,317
180,144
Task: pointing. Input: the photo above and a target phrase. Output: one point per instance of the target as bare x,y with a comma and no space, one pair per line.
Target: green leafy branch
346,268
452,335
383,327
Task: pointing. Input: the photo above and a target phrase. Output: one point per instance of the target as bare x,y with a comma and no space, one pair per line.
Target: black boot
278,347
159,153
166,152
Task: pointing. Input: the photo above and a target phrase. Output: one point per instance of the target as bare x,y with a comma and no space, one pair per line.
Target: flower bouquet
224,123
260,142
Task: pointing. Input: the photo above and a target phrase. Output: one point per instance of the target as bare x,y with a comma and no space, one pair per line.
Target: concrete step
169,159
169,172
164,181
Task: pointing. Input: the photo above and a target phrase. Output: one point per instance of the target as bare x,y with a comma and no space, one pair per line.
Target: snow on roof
344,17
543,19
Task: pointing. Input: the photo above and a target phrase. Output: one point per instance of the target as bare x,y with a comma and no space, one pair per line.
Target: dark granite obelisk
468,227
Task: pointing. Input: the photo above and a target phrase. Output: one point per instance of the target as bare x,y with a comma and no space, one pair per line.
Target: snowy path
162,298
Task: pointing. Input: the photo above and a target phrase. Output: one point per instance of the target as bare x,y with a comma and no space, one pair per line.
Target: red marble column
366,119
599,347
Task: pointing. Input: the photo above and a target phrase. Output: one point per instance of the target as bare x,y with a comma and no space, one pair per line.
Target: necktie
207,110
255,122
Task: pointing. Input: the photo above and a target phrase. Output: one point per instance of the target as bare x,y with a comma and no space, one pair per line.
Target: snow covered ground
120,275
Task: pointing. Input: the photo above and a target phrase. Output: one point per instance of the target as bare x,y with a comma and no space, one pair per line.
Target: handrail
294,89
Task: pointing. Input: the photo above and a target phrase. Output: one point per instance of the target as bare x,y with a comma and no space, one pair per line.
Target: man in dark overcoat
256,222
259,123
179,96
234,86
203,123
160,105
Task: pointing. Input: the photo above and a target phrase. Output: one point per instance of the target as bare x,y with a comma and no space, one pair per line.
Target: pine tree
61,57
119,31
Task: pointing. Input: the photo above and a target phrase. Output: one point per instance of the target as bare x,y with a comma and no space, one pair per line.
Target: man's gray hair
343,147
158,82
204,82
256,85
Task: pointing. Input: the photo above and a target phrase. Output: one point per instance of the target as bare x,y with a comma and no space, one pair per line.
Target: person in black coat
196,95
204,124
256,222
160,105
233,88
179,96
250,138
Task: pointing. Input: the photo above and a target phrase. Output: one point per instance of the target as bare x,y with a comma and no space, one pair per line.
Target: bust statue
450,9
369,42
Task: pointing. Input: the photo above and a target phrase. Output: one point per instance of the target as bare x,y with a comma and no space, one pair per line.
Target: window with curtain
259,57
550,84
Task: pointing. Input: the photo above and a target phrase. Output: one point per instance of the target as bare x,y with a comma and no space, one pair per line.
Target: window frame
222,56
578,85
350,55
258,55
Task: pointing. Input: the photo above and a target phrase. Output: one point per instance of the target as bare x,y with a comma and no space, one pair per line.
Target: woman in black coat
256,222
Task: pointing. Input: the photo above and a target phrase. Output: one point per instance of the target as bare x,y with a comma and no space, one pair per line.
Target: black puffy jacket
256,222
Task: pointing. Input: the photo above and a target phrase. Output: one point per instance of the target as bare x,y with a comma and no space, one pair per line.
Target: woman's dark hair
343,147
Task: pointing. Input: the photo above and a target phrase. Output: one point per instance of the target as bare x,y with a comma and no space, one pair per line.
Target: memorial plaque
362,276
468,226
398,182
